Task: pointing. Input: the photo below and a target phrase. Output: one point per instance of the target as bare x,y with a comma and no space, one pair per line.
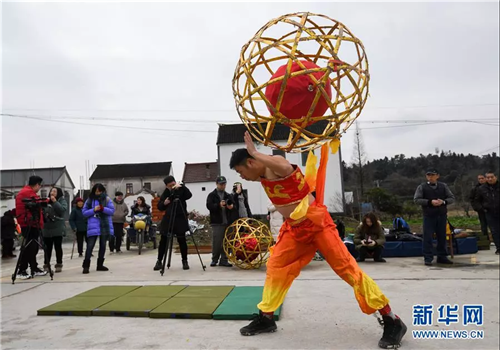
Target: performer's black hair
239,157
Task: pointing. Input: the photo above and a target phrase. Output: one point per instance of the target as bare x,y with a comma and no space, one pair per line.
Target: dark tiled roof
233,133
19,177
118,171
200,172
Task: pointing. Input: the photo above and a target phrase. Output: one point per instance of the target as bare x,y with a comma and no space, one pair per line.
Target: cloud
136,61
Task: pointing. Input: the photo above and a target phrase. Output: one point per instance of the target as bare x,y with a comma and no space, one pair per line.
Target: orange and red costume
308,229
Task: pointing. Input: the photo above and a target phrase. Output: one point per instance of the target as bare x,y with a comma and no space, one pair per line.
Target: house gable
18,178
234,133
200,172
134,170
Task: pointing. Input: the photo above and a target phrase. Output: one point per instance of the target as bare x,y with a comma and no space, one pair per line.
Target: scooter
140,231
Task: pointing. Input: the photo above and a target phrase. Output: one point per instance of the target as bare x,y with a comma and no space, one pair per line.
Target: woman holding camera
369,238
240,201
99,210
54,228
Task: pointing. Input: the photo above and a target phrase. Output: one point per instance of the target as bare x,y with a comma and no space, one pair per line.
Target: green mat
76,306
241,304
129,306
218,302
156,291
178,307
205,292
104,291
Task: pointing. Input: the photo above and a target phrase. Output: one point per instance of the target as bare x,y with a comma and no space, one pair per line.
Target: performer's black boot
394,330
185,265
260,324
158,266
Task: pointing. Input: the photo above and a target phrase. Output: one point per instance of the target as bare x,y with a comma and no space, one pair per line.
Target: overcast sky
176,61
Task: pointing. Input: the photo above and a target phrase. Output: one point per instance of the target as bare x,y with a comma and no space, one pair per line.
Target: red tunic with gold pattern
288,190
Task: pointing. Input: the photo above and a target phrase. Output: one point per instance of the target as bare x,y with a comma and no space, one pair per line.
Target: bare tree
359,158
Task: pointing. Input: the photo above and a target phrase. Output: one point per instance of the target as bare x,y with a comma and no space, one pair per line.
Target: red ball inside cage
299,92
248,245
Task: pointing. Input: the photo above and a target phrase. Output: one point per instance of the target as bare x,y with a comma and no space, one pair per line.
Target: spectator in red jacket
30,228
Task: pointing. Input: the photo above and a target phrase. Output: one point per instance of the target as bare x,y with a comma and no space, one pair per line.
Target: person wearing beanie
119,218
78,224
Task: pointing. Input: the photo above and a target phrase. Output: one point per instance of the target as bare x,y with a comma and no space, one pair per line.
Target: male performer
308,227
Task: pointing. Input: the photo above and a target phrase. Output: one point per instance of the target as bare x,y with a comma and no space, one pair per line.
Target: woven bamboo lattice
246,243
339,61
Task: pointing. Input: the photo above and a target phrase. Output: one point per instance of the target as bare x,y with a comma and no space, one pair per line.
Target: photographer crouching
179,225
30,218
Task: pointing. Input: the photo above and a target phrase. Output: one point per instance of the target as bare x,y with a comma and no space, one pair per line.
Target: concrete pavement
320,311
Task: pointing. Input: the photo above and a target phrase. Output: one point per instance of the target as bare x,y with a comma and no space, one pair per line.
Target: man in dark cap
220,206
434,197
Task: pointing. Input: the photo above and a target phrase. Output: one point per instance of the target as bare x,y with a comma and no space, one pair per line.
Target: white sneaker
23,275
38,272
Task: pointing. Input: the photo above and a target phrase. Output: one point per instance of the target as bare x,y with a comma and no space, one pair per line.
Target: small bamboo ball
246,243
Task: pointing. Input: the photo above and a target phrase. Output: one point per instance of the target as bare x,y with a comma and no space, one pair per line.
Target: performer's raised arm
277,164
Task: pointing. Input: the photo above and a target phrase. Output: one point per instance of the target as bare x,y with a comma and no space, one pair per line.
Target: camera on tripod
34,203
174,194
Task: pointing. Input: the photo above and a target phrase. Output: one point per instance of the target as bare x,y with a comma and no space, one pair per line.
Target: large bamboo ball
304,75
246,243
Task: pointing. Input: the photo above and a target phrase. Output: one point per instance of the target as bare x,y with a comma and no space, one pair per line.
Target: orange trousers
296,246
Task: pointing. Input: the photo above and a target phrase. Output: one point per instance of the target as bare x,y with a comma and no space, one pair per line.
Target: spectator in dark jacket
54,228
78,223
369,238
141,207
220,205
488,200
240,199
8,232
434,198
174,196
481,180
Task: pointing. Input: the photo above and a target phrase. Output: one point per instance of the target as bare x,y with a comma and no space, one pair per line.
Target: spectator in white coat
275,220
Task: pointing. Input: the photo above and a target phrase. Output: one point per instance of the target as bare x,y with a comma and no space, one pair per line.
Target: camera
175,193
34,203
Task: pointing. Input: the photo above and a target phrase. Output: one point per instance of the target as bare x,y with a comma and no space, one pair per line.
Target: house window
203,188
147,185
43,193
130,189
278,152
304,156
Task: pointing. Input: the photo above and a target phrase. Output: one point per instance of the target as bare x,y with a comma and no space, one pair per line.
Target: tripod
170,238
34,220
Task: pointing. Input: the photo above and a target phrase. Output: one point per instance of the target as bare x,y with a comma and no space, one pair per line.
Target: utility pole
359,158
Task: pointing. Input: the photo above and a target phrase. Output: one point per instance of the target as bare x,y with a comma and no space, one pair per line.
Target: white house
230,138
12,181
132,178
200,179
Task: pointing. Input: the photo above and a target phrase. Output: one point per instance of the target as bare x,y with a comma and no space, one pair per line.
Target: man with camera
174,196
30,218
221,207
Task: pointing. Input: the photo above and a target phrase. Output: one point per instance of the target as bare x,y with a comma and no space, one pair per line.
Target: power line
121,119
113,126
232,110
490,149
408,123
